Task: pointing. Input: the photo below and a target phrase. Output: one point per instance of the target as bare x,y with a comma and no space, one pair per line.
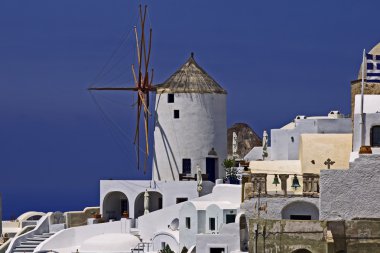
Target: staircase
31,243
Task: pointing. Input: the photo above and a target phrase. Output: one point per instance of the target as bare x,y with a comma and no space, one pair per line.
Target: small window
180,200
186,166
163,245
212,224
217,250
188,222
176,114
170,98
230,218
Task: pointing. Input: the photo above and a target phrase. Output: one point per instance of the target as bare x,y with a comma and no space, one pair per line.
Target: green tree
167,249
231,171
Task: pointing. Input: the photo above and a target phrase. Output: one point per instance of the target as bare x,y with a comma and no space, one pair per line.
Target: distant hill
246,139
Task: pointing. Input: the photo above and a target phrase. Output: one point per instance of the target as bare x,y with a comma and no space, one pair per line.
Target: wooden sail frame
143,81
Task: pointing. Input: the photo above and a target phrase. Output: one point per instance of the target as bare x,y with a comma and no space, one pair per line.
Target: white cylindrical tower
191,125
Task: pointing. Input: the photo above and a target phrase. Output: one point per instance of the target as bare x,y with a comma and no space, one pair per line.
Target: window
180,200
300,217
123,205
186,166
170,98
212,224
375,136
217,250
188,222
230,218
176,114
163,245
159,203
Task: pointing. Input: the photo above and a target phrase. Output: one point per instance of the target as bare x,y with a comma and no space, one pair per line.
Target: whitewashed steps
31,243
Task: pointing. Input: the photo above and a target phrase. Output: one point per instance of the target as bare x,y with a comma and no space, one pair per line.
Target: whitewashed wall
229,239
371,109
187,236
170,191
69,240
213,211
285,142
202,125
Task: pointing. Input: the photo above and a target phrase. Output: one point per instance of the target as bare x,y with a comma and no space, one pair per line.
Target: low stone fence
79,218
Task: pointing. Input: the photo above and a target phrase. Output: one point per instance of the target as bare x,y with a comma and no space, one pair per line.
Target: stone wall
283,236
352,193
287,236
79,218
275,205
358,236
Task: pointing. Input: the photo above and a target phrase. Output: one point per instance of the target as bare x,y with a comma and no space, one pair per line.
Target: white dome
112,242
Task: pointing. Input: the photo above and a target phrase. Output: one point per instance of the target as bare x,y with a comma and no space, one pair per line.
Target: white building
191,125
206,216
285,141
119,196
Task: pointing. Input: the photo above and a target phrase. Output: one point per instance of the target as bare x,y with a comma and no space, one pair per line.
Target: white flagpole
364,69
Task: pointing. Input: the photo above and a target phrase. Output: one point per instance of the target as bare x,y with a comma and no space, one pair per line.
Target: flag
373,68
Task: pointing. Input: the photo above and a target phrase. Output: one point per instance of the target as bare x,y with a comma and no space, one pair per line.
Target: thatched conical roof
190,78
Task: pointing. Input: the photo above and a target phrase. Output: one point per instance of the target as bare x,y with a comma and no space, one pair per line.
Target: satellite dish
174,224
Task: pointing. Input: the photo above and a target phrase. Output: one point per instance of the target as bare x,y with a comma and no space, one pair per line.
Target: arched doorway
114,205
302,251
155,203
300,210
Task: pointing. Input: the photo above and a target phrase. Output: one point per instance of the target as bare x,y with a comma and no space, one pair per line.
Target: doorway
211,167
114,205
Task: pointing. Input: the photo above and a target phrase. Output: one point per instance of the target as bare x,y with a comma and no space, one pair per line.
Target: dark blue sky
277,59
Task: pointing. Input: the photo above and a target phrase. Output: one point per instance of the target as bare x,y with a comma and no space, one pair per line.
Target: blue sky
276,58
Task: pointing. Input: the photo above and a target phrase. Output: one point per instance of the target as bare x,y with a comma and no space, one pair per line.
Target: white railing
41,227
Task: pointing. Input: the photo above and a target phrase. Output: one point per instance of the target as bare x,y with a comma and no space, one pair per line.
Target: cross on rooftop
329,162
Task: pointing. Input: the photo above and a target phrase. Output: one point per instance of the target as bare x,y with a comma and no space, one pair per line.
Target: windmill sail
143,80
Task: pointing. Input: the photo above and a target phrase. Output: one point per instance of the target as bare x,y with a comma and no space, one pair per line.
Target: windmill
143,78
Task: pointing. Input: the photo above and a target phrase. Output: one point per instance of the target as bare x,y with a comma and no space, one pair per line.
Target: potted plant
167,249
231,171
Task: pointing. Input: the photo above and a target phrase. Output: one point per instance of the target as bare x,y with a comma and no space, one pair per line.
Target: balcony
190,177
